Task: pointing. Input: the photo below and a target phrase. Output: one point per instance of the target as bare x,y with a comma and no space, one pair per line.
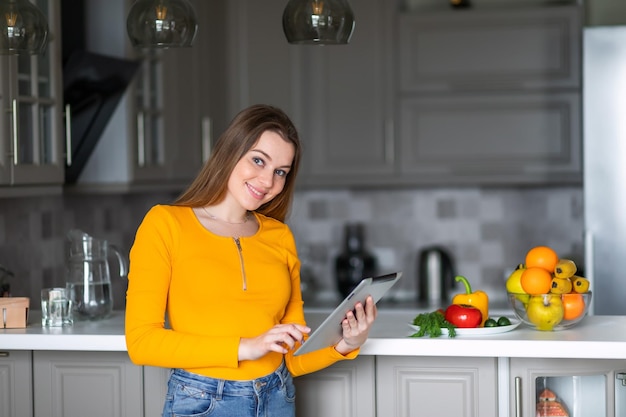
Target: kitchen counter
595,337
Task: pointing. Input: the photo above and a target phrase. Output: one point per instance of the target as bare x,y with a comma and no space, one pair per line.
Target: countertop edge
597,337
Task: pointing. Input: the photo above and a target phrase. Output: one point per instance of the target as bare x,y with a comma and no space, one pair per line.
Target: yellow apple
545,311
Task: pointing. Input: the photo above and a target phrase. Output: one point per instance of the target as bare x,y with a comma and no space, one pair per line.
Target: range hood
95,75
93,85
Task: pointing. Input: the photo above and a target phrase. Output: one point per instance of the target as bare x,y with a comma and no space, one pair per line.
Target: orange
536,280
573,306
542,257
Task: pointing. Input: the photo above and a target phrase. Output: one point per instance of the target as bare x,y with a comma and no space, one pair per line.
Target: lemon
514,281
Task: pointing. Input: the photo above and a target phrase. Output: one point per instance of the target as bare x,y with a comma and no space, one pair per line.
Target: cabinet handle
15,120
4,354
68,135
141,140
389,142
622,377
207,136
518,396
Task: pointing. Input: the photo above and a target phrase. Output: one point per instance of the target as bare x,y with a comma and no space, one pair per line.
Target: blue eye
258,161
281,173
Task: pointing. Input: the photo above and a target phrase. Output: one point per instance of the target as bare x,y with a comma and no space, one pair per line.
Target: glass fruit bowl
549,312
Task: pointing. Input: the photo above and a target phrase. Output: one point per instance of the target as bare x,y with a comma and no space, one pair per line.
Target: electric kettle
436,274
88,275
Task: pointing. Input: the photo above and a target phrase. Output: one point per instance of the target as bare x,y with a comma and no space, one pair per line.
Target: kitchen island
395,375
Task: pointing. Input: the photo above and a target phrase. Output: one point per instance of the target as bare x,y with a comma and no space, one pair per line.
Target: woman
223,266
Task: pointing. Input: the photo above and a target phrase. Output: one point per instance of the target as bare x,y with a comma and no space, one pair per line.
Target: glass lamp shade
23,27
161,24
318,22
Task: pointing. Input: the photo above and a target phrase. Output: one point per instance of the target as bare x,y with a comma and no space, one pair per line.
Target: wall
488,231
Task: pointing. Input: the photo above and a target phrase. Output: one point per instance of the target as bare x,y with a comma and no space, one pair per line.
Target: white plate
477,331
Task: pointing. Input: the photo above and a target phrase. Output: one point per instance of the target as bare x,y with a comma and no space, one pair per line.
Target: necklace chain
245,219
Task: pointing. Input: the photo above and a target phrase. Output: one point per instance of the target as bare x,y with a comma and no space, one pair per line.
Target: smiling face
260,175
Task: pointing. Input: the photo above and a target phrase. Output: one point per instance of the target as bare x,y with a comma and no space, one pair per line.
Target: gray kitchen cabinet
347,90
162,131
262,66
194,91
490,49
194,94
490,96
178,103
481,96
338,96
442,387
31,122
345,389
73,384
16,388
496,139
585,387
155,387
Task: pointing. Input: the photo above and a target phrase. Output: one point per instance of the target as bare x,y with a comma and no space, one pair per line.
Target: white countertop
601,337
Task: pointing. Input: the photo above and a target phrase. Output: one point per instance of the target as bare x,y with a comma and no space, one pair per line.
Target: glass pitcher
88,275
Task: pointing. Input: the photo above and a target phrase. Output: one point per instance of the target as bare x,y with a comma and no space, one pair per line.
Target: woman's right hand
279,338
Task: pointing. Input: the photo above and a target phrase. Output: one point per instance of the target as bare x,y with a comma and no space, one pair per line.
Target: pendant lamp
23,27
318,22
161,24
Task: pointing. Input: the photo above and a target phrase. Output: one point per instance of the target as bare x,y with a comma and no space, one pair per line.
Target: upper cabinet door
468,139
31,123
264,67
347,95
490,49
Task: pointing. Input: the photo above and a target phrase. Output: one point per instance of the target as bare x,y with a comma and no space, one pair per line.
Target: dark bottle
354,263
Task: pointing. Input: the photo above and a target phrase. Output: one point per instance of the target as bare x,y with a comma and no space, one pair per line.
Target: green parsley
431,324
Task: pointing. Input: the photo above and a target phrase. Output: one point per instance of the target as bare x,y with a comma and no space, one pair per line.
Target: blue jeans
194,395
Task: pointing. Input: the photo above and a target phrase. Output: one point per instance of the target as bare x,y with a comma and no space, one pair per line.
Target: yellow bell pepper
478,299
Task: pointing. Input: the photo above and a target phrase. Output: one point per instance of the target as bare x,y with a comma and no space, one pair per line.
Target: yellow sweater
215,290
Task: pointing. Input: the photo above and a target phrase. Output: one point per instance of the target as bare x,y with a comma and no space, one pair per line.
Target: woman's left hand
356,326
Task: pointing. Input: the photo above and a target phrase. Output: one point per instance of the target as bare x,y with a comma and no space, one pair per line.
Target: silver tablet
330,331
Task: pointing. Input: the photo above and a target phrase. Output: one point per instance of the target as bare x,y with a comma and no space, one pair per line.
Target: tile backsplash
487,231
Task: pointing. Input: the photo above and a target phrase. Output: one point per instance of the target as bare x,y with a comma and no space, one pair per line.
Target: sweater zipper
243,270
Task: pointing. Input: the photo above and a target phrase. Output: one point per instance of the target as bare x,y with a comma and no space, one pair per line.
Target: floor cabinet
442,387
31,121
155,388
16,388
581,388
73,384
345,389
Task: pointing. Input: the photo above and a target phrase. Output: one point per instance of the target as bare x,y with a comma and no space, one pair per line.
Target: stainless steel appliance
435,275
604,119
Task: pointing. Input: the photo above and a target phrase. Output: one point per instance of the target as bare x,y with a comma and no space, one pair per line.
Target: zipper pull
243,271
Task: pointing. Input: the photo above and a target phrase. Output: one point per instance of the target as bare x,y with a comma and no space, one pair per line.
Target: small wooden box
14,312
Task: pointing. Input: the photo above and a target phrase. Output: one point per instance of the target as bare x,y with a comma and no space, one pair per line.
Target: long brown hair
210,185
